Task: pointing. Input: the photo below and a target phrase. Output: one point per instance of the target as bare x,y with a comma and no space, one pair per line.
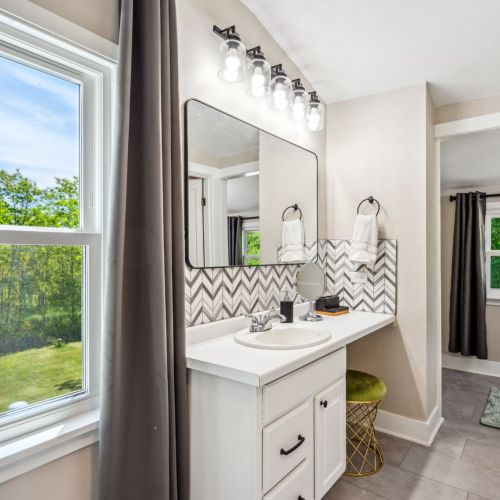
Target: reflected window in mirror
239,181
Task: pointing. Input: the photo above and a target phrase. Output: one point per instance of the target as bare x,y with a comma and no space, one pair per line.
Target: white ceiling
353,48
219,134
471,160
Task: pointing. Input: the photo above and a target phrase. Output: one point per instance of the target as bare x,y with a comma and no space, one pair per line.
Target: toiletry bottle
286,307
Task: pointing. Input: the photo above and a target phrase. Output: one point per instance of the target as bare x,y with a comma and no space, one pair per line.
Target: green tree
40,286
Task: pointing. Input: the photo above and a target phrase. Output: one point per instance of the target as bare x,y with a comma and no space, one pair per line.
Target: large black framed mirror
251,198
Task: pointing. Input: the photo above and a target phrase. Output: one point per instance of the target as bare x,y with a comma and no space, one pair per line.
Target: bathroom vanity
268,423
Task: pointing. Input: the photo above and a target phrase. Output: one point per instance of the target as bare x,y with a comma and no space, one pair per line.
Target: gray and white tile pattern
220,293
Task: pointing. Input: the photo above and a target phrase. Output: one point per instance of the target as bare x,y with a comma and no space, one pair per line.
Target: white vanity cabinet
284,440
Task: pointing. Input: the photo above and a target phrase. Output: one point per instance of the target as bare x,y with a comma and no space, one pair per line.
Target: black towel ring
295,208
371,200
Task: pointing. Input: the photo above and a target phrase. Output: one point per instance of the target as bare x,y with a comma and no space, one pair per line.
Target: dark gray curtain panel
234,240
468,278
144,420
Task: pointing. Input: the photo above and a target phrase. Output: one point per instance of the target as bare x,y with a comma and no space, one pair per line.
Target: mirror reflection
251,196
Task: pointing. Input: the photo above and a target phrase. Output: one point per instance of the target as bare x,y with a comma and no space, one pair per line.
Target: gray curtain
144,421
234,241
468,279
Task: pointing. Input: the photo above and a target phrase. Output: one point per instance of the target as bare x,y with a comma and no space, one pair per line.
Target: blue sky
39,123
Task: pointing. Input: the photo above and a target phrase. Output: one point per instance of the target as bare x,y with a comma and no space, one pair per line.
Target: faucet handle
256,322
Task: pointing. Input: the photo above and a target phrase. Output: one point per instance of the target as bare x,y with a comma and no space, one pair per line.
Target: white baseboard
472,365
418,431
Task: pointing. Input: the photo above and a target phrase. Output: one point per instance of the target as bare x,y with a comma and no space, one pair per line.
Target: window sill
493,302
39,448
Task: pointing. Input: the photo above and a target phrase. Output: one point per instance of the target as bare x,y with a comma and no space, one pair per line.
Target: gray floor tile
473,430
453,472
449,442
398,484
458,409
393,449
477,497
482,454
345,491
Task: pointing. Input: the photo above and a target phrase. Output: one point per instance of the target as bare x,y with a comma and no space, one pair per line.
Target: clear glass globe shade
232,61
314,119
298,109
230,75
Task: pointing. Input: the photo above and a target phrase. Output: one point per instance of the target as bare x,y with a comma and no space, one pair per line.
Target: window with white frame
54,136
493,252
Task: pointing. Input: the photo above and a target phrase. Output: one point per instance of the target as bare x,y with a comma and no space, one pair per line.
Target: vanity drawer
298,484
290,390
286,443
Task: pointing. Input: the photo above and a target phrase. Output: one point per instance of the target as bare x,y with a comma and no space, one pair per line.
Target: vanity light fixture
280,88
316,115
259,73
232,55
300,102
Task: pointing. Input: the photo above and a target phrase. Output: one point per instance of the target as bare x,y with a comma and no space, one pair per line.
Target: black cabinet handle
293,448
324,403
301,498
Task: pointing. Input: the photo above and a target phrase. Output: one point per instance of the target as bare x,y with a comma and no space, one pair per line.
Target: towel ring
295,208
371,200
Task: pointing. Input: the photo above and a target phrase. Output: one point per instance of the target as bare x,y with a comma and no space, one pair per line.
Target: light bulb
258,83
298,109
232,61
230,75
314,119
280,97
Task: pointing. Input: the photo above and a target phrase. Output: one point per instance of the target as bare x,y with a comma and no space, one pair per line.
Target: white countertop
226,358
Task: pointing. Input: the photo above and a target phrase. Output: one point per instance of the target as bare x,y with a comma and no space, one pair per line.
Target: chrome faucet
262,322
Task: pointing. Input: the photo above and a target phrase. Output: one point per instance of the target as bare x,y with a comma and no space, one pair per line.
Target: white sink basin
283,337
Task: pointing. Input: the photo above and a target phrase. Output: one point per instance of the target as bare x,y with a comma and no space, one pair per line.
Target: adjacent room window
493,251
251,242
50,241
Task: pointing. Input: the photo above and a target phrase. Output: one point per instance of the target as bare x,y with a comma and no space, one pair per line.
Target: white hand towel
292,242
364,240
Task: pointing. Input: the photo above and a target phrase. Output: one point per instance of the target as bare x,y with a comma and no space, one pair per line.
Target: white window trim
492,294
45,432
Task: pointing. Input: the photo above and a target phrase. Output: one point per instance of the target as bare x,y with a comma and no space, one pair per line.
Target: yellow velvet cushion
363,387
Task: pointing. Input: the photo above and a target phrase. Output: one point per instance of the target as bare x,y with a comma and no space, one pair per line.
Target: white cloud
40,153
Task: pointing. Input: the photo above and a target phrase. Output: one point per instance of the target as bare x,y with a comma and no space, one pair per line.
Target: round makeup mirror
311,285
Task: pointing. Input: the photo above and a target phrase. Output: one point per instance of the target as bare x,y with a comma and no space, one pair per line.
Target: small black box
327,302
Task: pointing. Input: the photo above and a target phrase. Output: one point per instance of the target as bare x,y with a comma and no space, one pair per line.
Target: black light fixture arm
224,32
251,53
314,96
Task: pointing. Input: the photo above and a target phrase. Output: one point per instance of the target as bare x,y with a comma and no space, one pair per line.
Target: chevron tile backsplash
221,293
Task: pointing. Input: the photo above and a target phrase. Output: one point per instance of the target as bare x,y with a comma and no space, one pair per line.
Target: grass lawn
39,374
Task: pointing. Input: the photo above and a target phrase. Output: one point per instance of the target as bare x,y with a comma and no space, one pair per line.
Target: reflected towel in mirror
292,242
364,240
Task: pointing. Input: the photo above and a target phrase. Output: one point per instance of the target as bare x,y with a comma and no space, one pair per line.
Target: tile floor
463,463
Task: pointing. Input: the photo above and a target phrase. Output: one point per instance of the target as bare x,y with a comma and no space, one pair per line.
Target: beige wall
72,477
377,146
69,478
492,312
282,163
467,109
99,16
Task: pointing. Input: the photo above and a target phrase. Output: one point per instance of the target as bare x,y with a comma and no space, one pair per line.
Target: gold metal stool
364,394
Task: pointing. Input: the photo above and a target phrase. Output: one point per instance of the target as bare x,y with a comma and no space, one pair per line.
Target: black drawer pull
301,498
324,403
293,448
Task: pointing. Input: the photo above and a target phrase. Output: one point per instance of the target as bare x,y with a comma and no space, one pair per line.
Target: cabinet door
329,449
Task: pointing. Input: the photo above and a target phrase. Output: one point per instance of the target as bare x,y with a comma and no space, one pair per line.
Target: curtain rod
453,198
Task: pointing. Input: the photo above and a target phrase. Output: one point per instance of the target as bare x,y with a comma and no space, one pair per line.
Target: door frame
442,132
